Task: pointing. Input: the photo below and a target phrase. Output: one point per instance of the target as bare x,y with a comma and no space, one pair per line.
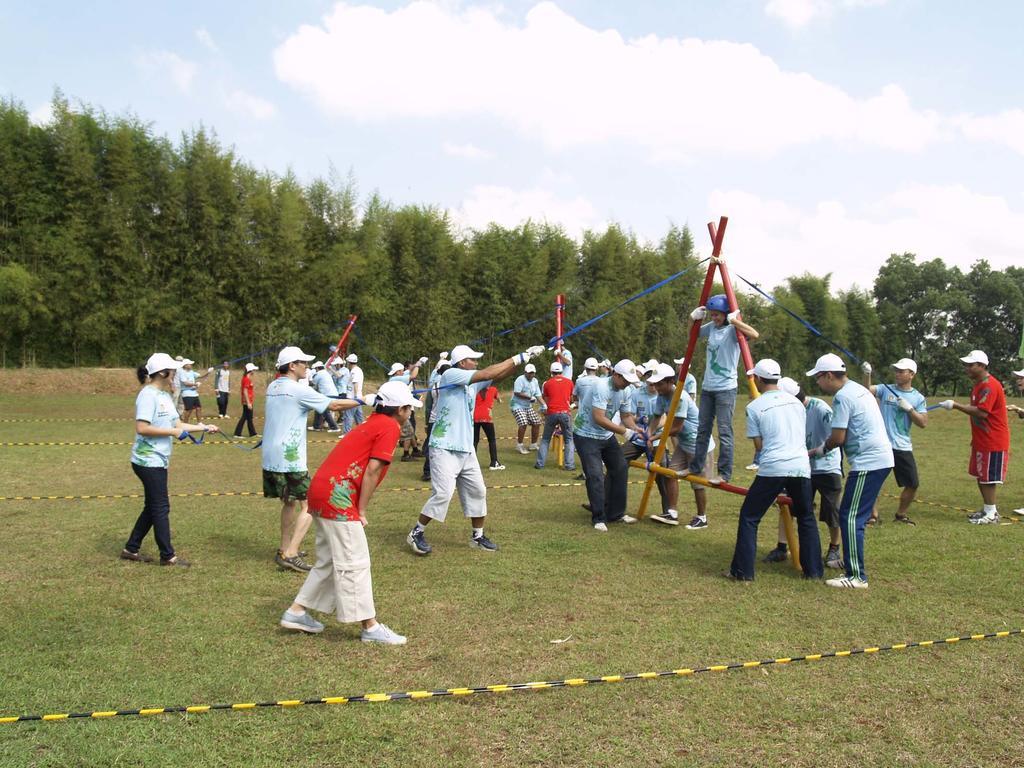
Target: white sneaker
1019,511
496,467
601,527
847,583
627,519
753,467
534,447
301,622
984,519
521,448
382,634
665,518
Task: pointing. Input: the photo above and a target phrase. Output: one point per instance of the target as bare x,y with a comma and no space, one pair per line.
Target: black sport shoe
482,542
295,563
176,561
135,557
418,542
777,555
424,478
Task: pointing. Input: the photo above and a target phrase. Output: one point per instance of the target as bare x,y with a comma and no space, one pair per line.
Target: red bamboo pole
340,349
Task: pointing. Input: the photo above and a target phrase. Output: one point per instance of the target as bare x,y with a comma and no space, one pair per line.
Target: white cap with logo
250,367
828,363
290,355
161,361
976,356
464,352
661,372
905,364
626,370
766,369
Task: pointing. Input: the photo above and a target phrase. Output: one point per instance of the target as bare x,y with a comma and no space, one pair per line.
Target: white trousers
340,581
451,470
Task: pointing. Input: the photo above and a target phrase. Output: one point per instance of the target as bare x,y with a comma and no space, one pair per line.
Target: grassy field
85,631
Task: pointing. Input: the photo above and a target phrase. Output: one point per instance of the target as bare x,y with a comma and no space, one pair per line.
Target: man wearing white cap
284,449
901,406
604,368
453,461
776,423
190,390
525,393
594,433
248,401
356,384
557,393
339,496
990,433
323,382
856,424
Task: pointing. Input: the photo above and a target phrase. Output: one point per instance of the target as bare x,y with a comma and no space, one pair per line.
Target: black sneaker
418,542
135,557
697,523
482,542
424,478
777,555
295,563
176,561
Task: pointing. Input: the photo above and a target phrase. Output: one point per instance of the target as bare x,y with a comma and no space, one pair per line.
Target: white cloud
468,151
166,64
1005,128
488,204
797,14
42,114
567,84
768,240
251,106
204,37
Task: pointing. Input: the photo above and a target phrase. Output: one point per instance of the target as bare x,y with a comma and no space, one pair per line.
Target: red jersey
247,388
993,433
334,490
557,394
484,404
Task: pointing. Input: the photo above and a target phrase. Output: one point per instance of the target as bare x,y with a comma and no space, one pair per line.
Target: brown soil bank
75,381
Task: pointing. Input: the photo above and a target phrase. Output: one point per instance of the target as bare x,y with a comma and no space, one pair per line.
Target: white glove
629,434
904,405
422,361
947,404
866,368
443,356
718,259
209,370
699,313
732,317
529,354
818,450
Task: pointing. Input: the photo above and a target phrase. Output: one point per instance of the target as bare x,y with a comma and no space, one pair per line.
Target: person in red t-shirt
482,419
338,498
557,396
990,433
248,401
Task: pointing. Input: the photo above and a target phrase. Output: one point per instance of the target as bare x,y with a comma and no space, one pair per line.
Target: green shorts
287,486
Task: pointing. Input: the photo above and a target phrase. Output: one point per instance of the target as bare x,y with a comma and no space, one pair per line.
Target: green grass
84,631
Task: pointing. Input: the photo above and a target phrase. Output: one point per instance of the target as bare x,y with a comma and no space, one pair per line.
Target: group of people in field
799,440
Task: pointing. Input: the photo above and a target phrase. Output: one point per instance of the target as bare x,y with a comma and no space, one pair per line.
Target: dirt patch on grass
77,381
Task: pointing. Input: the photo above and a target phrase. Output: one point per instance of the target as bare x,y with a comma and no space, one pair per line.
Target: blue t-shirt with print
819,428
723,357
524,386
602,395
157,407
284,428
343,381
898,423
453,422
867,446
779,419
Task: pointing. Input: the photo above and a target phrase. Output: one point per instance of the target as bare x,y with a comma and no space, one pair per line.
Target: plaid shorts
408,430
287,486
527,417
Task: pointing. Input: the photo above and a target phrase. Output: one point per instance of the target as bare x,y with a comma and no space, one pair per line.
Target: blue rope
650,289
507,331
586,340
277,347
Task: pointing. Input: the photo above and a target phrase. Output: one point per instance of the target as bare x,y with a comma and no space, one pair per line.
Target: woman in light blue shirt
156,422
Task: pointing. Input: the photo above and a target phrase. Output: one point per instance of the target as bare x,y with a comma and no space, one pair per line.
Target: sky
832,133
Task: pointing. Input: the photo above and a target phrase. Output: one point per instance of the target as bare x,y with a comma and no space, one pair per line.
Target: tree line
115,242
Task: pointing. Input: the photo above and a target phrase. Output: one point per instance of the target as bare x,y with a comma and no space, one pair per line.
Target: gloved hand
422,361
443,356
732,317
904,405
699,313
866,368
947,404
529,354
718,259
818,450
210,369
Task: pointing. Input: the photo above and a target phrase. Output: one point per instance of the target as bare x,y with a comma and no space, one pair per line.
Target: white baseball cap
766,369
590,364
464,352
293,355
905,364
249,367
396,394
626,370
606,363
161,361
317,364
679,360
353,358
530,368
828,363
556,367
1018,374
186,361
661,371
395,368
337,362
976,356
789,386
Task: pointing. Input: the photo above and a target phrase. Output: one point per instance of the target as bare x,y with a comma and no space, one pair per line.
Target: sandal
903,519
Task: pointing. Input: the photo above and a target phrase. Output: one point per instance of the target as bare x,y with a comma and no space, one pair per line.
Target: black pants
222,403
607,496
156,512
246,418
426,450
492,440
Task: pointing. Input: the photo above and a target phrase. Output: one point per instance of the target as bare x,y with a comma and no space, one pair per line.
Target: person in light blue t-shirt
156,423
323,382
902,406
189,381
776,422
718,392
453,461
856,424
526,393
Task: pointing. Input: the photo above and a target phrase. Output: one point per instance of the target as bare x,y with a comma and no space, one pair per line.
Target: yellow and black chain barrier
573,682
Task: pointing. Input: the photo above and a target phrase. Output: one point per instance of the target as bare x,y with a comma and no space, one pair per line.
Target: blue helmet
718,304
